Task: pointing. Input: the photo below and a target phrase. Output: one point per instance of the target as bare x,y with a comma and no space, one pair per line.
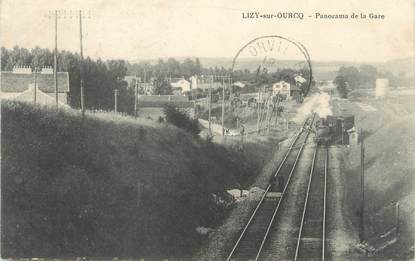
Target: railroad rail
311,240
255,233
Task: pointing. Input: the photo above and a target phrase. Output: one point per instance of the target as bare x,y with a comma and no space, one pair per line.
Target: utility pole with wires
210,105
223,101
35,86
258,111
135,96
69,14
116,92
55,59
230,87
81,65
223,106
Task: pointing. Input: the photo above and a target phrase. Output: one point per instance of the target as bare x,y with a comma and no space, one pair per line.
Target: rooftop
19,82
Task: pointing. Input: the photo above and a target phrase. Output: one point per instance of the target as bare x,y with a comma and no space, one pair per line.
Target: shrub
181,120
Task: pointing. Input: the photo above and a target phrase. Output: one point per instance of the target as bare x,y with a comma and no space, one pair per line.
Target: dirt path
341,234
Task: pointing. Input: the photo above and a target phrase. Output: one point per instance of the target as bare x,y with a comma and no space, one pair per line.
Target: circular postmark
280,64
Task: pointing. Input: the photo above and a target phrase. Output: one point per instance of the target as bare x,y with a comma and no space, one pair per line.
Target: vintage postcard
207,130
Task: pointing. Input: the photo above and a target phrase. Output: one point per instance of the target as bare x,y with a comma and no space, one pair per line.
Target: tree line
102,77
351,78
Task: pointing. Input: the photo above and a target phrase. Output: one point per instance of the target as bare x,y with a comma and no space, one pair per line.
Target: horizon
229,58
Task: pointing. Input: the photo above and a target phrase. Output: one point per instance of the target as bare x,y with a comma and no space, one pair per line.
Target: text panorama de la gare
317,15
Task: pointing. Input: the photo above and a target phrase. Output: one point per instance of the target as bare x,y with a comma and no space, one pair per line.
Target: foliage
364,77
341,86
89,187
181,120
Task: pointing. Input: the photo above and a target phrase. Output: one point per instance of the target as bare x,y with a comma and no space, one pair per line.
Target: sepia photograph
176,130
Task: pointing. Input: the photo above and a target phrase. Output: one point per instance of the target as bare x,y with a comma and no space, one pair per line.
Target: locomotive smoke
318,103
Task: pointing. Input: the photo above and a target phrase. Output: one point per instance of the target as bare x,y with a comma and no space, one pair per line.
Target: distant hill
397,66
322,70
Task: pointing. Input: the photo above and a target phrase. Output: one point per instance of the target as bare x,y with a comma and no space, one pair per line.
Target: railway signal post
397,219
362,183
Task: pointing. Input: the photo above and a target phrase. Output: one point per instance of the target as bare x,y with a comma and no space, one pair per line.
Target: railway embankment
111,185
388,128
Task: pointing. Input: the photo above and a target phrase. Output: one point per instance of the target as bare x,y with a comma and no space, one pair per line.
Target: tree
341,86
181,120
351,76
198,67
368,75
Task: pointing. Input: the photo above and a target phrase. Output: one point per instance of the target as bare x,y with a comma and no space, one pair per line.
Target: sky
136,29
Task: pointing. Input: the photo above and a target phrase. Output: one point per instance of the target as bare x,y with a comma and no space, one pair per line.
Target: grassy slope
107,186
390,167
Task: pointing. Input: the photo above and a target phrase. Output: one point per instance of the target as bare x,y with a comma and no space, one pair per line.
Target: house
281,87
204,83
286,89
180,84
240,84
152,105
130,80
19,84
146,88
299,79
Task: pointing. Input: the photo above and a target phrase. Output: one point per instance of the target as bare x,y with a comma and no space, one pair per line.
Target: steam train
334,130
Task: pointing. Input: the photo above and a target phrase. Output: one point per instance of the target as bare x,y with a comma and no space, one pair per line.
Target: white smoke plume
318,103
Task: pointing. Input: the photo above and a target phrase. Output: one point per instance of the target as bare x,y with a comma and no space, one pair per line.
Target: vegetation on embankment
389,140
108,186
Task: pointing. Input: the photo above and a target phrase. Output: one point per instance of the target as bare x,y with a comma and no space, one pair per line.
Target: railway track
252,239
311,240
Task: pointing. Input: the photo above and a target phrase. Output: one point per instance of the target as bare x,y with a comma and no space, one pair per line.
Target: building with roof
299,79
204,83
180,84
286,89
146,88
19,84
240,84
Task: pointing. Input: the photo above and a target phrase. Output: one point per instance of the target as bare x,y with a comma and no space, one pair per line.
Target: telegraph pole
116,100
259,110
35,86
362,183
223,106
210,105
81,65
230,87
135,96
55,58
